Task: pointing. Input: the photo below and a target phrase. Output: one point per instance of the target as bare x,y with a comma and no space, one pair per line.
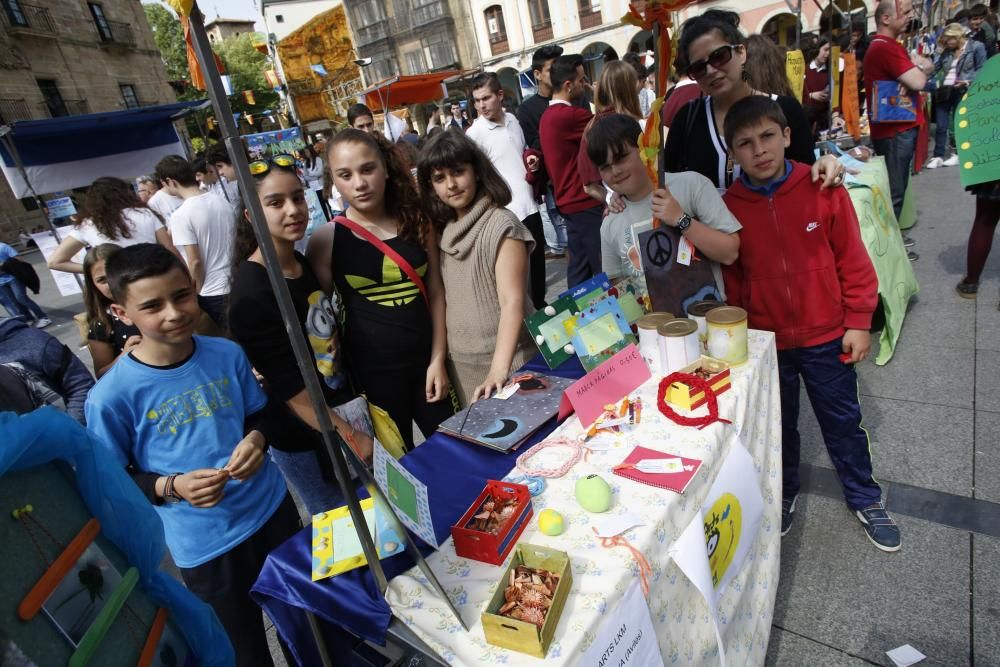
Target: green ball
593,493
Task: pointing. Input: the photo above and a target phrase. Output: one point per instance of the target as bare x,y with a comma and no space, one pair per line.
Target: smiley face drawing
321,330
723,526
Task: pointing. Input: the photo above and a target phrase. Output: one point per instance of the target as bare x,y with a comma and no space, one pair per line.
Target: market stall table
869,190
455,472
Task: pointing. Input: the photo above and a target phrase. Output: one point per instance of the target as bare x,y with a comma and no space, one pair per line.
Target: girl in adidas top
394,326
484,264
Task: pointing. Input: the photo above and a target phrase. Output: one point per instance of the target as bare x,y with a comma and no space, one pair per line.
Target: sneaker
880,527
42,323
967,290
787,514
908,242
952,161
912,256
934,163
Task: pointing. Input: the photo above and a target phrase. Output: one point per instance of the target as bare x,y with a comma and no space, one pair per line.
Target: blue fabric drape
127,519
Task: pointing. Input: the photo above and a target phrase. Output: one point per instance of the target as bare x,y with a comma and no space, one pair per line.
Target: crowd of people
415,293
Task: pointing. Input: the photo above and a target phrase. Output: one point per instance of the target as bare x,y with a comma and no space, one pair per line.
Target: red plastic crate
483,546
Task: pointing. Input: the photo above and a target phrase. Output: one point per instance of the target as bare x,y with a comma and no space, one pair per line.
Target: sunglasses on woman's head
260,167
716,59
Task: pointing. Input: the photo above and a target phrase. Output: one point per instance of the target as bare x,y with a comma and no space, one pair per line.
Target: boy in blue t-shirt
182,413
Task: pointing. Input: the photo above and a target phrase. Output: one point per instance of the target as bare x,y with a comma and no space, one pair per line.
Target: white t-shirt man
142,222
164,203
504,146
206,221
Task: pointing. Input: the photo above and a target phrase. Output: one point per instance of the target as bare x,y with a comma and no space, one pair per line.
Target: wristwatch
169,495
683,223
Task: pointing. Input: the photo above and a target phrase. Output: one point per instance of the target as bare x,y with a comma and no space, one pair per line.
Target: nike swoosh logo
811,226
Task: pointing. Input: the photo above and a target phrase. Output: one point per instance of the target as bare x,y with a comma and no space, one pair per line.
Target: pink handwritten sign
606,384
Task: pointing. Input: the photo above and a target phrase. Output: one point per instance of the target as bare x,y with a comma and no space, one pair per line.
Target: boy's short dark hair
750,111
615,132
487,80
135,262
544,55
356,111
217,153
199,165
178,169
979,10
564,69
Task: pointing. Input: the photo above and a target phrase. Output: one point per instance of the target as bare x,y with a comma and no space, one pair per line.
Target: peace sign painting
673,285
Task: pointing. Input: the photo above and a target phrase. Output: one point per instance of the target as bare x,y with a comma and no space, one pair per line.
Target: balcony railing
13,110
63,107
429,12
119,34
542,32
498,46
27,18
590,17
372,33
303,86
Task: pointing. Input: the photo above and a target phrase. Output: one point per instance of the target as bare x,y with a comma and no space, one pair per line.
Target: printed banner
278,142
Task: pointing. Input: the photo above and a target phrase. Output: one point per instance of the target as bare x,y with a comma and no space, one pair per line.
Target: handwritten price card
608,383
977,127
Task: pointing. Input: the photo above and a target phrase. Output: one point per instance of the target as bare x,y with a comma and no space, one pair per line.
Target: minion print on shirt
321,330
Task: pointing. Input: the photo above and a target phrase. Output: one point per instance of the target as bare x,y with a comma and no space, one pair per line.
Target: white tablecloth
601,576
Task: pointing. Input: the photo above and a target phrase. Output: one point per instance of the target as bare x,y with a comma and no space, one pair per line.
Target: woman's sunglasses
261,167
716,59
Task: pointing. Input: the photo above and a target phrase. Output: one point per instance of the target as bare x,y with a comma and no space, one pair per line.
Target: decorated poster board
977,127
47,243
674,284
795,69
279,142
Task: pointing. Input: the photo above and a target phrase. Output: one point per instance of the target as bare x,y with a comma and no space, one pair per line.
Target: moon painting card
505,423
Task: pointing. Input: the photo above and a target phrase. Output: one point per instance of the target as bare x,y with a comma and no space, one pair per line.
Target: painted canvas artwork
601,330
672,284
505,423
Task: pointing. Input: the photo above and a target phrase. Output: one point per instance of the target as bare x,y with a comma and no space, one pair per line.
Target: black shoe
880,527
912,256
908,242
787,514
967,290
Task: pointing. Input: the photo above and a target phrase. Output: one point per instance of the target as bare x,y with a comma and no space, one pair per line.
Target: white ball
550,311
569,349
539,339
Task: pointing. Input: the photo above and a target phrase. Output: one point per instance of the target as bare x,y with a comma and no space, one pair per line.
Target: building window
53,98
439,50
541,20
15,13
590,13
425,11
415,62
494,24
128,95
101,21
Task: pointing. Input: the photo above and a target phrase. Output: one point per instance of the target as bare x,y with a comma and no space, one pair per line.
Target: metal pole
303,355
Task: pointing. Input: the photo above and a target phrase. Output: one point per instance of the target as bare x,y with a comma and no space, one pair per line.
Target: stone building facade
68,57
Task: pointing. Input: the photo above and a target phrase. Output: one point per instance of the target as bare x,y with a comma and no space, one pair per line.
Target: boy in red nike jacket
804,274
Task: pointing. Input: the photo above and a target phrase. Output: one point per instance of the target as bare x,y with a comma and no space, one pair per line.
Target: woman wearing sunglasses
715,51
256,324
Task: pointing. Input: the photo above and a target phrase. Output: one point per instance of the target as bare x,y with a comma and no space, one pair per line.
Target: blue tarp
127,518
60,154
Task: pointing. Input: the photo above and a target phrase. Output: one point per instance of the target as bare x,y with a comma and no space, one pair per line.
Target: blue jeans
898,153
15,299
553,224
584,233
301,471
832,387
943,113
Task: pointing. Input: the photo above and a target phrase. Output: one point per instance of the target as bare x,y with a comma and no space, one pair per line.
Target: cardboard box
683,396
486,547
518,635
